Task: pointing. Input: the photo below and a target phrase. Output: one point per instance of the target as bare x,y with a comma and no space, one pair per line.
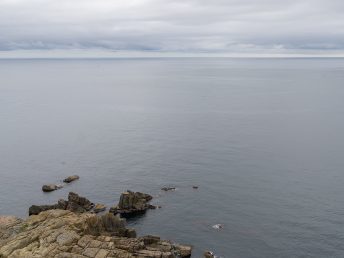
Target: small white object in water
218,226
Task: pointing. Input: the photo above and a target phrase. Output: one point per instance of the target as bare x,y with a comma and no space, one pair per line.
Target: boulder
195,187
99,208
49,188
71,178
131,203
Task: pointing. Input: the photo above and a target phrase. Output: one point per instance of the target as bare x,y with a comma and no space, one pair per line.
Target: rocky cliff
65,234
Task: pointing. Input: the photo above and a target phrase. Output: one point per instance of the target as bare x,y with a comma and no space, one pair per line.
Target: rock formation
65,234
75,203
131,203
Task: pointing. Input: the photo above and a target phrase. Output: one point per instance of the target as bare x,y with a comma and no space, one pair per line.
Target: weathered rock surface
75,203
131,203
71,178
99,208
65,234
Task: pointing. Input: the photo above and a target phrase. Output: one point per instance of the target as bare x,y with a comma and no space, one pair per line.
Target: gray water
263,139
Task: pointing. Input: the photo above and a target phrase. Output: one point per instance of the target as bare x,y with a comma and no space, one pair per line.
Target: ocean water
262,138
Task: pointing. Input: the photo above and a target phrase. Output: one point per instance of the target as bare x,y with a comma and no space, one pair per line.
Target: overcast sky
176,27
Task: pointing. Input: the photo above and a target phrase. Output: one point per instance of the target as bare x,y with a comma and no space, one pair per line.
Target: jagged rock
64,234
75,203
49,188
99,208
131,203
71,178
168,189
209,254
78,203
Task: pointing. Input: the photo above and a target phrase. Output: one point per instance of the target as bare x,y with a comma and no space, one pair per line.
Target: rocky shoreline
71,228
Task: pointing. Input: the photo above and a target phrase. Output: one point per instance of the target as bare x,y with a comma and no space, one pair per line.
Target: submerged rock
168,189
209,254
217,226
75,203
131,203
62,233
71,178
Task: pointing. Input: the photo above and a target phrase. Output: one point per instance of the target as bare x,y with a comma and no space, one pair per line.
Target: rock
131,203
75,203
61,234
168,189
9,226
71,178
36,209
209,254
217,226
78,203
49,188
113,210
99,208
184,250
97,225
195,187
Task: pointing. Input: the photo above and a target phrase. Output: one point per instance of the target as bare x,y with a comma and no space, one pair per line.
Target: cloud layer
181,26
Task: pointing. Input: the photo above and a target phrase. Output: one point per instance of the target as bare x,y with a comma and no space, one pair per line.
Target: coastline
72,228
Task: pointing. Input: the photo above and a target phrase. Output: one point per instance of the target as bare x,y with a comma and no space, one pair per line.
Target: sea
263,139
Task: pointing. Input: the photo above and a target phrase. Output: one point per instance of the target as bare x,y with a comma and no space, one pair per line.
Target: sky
107,28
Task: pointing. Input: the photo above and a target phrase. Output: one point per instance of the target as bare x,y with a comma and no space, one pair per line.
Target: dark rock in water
209,254
71,179
75,203
49,188
78,203
168,189
99,208
61,233
131,203
152,207
36,209
195,187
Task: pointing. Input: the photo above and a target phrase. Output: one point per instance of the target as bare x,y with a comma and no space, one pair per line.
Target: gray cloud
189,26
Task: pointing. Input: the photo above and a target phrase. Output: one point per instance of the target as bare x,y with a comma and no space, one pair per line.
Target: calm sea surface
263,139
